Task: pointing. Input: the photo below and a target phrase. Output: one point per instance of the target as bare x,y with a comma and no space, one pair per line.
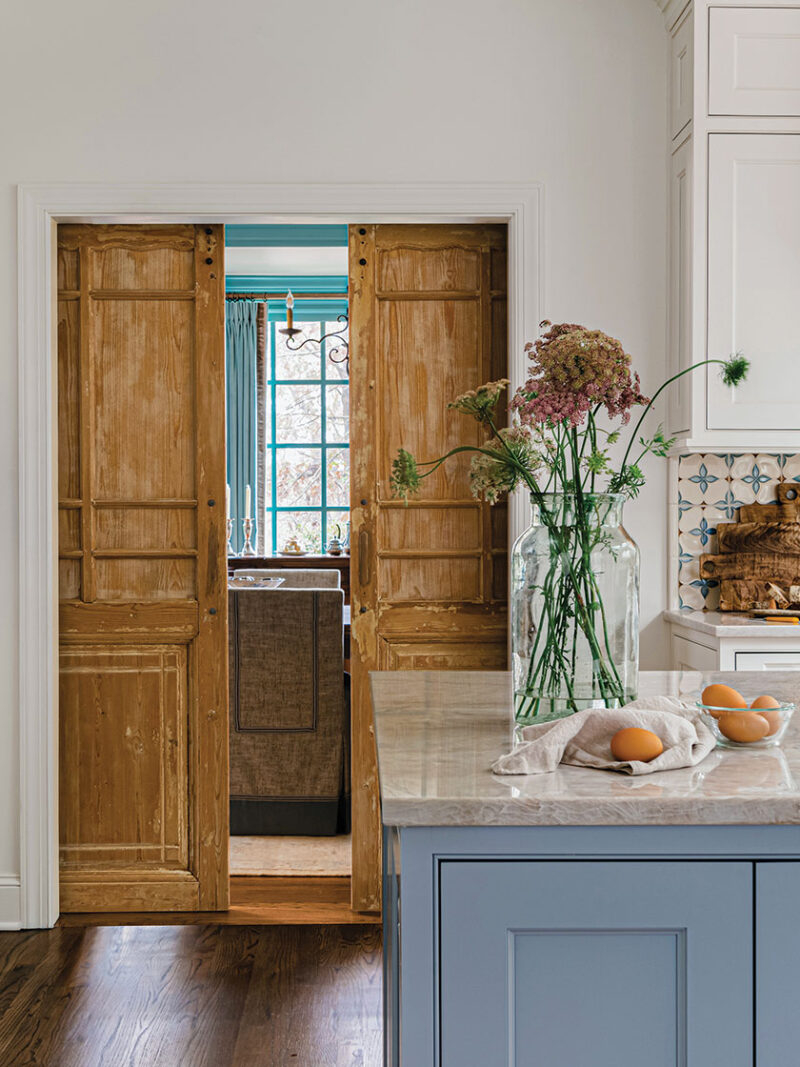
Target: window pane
299,477
337,413
333,369
337,525
303,363
298,413
305,526
338,488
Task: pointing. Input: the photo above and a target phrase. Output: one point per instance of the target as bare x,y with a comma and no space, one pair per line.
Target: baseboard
10,902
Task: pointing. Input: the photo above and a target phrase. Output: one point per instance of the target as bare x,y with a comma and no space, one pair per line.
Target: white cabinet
709,641
754,61
680,288
754,278
734,223
768,661
681,80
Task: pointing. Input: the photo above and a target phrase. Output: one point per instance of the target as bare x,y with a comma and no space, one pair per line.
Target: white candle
247,514
227,501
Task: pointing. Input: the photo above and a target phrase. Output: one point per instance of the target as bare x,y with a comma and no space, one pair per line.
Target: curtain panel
241,358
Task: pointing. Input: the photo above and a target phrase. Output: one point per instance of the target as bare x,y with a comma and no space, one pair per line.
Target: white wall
570,93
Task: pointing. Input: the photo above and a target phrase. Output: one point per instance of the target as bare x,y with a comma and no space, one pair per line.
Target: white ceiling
286,261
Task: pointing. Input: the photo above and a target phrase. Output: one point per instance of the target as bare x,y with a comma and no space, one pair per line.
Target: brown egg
633,743
743,726
722,696
772,716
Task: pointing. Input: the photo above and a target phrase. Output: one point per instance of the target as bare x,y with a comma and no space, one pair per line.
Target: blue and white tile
755,478
698,474
791,468
728,505
697,528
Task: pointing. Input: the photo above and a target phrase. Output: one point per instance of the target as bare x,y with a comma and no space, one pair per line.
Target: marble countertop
729,624
438,733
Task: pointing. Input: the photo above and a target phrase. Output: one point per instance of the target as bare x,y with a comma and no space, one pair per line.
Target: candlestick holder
247,529
229,534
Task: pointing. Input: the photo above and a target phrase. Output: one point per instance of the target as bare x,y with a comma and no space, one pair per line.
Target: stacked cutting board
758,563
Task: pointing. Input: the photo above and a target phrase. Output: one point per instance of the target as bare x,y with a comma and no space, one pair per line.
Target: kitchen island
583,918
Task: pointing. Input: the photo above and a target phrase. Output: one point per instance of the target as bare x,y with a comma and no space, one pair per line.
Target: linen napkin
584,739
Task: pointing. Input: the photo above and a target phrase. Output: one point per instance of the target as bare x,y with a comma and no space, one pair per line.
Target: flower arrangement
579,395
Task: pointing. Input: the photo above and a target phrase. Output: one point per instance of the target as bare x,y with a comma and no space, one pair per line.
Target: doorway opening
42,206
288,495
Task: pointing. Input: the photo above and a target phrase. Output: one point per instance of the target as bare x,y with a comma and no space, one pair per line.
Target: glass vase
574,608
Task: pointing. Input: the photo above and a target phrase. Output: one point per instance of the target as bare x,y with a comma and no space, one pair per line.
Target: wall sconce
339,353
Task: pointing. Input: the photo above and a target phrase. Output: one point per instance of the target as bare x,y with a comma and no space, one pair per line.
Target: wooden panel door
143,775
429,580
608,964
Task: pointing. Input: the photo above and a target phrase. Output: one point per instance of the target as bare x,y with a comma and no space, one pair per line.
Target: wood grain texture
743,595
191,996
427,322
254,901
758,537
143,615
789,512
771,566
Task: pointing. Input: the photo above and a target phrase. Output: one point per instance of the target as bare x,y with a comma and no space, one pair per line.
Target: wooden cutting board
770,512
737,594
759,537
770,566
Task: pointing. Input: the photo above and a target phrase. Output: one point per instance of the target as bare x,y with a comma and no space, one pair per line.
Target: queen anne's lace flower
573,371
480,402
494,472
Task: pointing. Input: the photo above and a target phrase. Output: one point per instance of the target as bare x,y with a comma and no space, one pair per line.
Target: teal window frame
272,509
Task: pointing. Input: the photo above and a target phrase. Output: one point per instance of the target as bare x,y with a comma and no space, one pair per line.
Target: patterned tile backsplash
711,488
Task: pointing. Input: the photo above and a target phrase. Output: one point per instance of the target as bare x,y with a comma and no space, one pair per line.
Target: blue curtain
241,343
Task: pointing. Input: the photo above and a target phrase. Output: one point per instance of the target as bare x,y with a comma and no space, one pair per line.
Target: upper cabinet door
754,278
754,61
681,82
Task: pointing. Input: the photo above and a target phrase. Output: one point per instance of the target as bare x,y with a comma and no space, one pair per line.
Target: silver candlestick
229,532
247,547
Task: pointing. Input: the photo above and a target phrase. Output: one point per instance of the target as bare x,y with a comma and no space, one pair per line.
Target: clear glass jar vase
574,608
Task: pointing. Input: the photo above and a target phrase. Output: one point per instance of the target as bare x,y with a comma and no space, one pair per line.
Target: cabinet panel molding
754,61
754,278
523,943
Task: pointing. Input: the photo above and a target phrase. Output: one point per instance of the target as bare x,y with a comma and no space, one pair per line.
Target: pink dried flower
573,370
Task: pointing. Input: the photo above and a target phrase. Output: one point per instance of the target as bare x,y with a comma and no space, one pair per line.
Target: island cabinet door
596,964
777,963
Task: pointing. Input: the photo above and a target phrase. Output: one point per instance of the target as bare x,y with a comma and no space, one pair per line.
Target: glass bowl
733,727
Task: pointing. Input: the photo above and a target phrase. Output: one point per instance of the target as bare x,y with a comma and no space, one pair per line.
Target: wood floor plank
255,901
192,996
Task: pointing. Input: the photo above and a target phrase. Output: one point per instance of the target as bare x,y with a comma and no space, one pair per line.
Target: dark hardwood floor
191,996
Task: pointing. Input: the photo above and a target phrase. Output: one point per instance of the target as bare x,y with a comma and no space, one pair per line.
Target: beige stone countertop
438,732
730,624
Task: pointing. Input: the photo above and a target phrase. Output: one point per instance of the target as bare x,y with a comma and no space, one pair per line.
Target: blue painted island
583,918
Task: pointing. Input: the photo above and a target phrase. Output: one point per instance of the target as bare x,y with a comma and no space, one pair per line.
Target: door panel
143,772
777,962
427,322
613,964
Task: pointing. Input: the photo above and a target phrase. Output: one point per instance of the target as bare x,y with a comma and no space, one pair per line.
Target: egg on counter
743,726
722,696
767,707
634,743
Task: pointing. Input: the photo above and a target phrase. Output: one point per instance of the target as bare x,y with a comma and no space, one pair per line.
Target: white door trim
40,207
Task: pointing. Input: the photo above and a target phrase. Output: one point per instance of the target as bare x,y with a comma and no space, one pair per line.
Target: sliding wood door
427,322
143,775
